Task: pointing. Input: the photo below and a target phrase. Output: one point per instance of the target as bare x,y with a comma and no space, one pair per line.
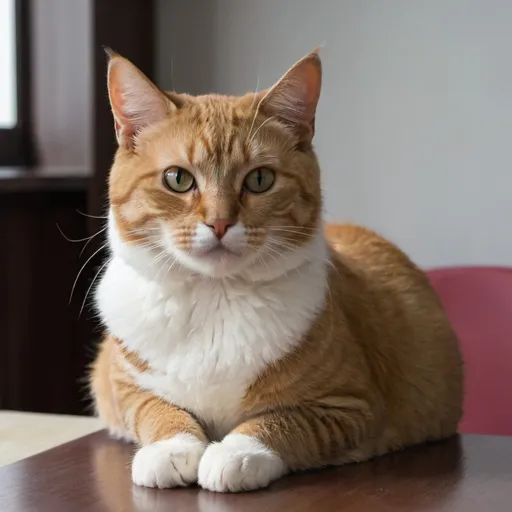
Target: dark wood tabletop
462,474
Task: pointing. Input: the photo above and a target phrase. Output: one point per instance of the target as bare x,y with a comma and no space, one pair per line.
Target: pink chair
478,301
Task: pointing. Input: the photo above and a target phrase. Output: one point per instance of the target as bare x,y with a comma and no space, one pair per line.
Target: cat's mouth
217,252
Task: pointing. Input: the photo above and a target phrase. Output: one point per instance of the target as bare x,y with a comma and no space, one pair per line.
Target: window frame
16,146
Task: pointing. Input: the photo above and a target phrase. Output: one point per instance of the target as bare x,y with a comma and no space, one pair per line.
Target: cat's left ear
294,98
136,101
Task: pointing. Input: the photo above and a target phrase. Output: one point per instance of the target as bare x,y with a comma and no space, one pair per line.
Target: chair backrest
478,302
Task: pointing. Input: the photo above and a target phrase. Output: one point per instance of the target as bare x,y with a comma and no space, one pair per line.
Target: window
8,107
15,147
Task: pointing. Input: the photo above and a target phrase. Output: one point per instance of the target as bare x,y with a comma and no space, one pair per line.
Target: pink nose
220,227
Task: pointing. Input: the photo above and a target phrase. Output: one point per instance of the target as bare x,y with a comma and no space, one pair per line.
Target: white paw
169,463
120,435
239,463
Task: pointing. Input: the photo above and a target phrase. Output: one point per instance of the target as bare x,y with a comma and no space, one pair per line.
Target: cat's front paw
239,463
169,463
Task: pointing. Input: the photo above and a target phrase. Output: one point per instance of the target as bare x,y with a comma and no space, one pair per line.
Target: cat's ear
136,102
294,98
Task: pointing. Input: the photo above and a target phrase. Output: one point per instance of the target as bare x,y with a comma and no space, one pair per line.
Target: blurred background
413,135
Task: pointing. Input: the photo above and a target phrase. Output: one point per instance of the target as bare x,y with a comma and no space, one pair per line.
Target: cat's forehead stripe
191,150
222,149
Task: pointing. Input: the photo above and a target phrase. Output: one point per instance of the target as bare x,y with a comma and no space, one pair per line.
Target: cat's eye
260,180
178,180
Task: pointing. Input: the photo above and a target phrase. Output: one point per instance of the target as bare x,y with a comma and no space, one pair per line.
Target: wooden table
463,474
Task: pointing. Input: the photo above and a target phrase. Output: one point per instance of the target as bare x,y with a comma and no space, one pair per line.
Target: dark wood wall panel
126,26
44,344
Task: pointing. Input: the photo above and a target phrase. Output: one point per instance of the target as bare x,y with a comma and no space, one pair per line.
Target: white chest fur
206,340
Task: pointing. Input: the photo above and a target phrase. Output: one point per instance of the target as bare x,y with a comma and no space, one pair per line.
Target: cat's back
367,249
373,274
397,318
378,262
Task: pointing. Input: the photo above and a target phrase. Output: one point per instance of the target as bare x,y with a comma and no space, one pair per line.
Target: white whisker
281,243
161,255
83,266
255,97
79,239
290,240
256,90
328,262
89,241
266,250
267,253
294,232
143,231
295,229
261,126
252,123
275,251
92,216
149,245
169,268
164,263
91,285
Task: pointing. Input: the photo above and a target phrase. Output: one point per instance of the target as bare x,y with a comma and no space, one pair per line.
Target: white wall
414,126
62,83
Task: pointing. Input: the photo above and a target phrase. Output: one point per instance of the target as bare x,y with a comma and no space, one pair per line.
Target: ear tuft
109,52
294,98
136,102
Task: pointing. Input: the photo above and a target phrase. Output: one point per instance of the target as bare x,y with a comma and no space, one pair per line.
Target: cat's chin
217,263
219,253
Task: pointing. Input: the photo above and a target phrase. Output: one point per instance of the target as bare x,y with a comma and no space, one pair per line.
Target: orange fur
378,370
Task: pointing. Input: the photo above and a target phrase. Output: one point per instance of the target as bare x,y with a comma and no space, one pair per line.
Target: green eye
178,180
260,180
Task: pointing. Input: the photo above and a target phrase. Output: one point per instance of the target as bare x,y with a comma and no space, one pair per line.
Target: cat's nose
220,227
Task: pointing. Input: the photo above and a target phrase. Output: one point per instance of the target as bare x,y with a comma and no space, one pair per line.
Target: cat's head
213,184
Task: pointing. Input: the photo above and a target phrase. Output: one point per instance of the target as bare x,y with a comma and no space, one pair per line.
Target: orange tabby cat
240,345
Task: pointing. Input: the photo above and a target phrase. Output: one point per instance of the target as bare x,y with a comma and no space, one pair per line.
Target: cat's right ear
294,98
136,101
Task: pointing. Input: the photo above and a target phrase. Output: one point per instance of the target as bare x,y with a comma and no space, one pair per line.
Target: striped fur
231,363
